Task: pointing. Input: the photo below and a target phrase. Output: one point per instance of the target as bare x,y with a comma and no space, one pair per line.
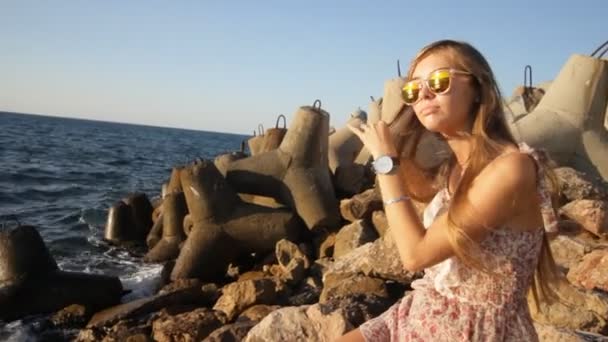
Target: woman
483,243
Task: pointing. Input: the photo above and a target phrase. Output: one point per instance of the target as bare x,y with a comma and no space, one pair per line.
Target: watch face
383,164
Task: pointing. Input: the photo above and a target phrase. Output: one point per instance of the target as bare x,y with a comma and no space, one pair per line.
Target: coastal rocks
575,185
187,326
299,324
297,172
590,214
378,259
591,272
361,205
31,282
352,236
129,220
237,297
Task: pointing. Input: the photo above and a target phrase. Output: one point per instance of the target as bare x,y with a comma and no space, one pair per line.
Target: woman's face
447,113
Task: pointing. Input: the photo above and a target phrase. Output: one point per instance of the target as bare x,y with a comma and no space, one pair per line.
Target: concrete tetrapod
344,146
297,173
224,227
274,136
174,211
388,108
257,141
129,220
374,113
569,120
31,282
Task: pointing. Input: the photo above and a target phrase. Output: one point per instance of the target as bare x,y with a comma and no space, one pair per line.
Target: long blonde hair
489,135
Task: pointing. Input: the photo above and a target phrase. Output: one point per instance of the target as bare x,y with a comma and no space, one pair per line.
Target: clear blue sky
227,66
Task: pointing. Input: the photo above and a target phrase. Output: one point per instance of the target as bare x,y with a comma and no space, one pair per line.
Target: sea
61,175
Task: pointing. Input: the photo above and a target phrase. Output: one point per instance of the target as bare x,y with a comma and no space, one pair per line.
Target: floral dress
454,302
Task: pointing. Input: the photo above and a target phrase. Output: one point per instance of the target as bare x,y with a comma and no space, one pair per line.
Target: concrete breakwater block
129,220
297,172
31,282
568,122
221,226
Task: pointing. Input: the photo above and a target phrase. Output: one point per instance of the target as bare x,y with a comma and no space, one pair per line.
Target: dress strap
546,206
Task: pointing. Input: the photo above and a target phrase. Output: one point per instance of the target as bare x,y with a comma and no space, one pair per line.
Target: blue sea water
62,175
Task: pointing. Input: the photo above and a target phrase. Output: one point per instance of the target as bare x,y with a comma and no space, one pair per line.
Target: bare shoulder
515,170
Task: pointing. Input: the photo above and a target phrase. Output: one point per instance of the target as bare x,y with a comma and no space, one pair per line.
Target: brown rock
361,205
294,263
352,236
326,248
379,259
576,310
575,185
591,214
341,285
380,222
257,312
548,333
237,297
568,251
73,316
189,326
303,323
231,333
592,272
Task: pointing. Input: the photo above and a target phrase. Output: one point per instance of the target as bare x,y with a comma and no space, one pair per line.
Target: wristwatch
385,164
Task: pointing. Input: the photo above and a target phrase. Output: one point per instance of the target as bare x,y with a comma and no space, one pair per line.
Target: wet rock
591,214
592,271
189,326
234,332
340,285
237,297
144,306
353,236
70,317
31,283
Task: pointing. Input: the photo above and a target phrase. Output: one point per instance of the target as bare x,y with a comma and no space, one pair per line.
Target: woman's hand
376,138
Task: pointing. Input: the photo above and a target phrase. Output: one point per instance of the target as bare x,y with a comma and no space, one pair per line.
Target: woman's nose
425,93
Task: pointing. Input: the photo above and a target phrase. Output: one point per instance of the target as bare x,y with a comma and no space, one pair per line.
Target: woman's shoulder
512,165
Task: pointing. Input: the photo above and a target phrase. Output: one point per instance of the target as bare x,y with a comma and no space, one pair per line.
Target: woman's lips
428,110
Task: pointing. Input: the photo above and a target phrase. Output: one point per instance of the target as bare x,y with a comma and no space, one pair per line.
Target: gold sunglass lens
439,81
410,91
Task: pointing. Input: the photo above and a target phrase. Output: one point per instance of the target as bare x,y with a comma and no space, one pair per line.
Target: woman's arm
497,194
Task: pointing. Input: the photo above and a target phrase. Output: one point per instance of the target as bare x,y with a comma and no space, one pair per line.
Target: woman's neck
461,146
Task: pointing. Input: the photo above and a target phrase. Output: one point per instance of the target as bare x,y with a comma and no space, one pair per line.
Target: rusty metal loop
284,121
599,49
317,104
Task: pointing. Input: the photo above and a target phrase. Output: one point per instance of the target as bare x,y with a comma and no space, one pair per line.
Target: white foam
144,282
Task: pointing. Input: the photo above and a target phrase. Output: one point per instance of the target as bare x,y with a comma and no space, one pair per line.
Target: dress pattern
454,302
